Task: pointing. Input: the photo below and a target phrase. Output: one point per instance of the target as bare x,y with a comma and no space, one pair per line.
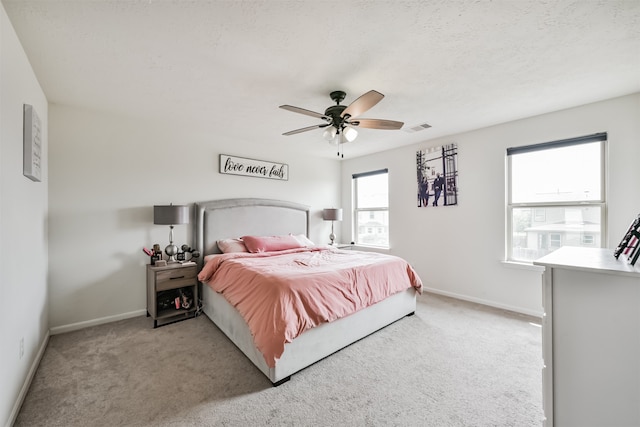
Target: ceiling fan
341,120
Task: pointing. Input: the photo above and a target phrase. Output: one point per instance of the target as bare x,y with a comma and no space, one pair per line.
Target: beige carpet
453,364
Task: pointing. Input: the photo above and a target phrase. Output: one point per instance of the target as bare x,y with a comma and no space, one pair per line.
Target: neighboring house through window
371,208
556,196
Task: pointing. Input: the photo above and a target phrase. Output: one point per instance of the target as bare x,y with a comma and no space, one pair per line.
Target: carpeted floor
453,364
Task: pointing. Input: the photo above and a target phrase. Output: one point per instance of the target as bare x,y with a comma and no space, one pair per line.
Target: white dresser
590,339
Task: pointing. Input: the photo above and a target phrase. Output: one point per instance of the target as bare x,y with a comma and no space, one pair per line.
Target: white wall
23,225
459,250
106,173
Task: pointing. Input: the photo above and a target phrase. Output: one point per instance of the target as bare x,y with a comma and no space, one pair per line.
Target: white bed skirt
314,344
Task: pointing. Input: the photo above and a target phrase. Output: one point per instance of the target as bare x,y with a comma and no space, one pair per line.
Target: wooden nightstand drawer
175,278
173,283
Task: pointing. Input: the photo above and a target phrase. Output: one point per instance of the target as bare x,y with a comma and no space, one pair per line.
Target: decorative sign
32,144
249,167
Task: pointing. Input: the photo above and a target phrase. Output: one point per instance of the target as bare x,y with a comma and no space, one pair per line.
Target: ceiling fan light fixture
330,133
349,134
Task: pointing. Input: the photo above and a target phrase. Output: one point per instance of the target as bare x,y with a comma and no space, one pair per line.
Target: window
555,196
540,215
371,208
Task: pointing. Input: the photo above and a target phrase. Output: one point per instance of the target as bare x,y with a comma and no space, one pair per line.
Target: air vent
417,128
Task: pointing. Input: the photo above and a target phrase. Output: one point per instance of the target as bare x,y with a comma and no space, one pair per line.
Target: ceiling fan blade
376,124
293,132
363,103
305,112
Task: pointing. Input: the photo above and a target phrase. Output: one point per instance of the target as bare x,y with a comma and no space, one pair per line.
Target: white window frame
356,209
600,204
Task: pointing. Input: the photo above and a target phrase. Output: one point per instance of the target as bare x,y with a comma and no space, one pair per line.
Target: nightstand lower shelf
174,315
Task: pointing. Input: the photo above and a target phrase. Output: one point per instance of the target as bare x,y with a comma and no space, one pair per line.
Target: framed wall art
437,176
32,144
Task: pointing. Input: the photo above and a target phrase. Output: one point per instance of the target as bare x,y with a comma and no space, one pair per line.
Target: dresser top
599,260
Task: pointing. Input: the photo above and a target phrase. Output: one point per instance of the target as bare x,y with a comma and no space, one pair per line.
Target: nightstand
343,246
164,285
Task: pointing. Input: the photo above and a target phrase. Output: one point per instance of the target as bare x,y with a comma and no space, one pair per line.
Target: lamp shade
171,214
332,214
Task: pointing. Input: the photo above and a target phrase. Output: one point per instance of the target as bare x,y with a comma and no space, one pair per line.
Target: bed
231,218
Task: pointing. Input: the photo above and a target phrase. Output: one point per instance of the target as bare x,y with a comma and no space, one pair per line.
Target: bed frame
231,218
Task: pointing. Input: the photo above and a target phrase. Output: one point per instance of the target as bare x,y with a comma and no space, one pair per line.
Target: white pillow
227,246
304,240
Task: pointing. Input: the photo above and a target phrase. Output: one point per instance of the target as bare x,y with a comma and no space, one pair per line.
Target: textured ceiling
226,66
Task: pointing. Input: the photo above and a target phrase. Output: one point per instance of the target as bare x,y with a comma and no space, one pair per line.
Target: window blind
371,173
602,136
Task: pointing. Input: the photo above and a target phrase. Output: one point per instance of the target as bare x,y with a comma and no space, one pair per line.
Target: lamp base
171,250
332,238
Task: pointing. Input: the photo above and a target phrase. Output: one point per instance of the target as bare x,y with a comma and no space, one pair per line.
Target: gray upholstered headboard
232,218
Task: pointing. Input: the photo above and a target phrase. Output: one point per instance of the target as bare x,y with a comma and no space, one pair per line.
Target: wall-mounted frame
32,145
437,175
250,167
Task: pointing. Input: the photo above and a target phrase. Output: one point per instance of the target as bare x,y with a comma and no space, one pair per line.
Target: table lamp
332,214
171,215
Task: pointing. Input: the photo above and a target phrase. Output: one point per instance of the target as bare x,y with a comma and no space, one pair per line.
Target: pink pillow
227,246
270,243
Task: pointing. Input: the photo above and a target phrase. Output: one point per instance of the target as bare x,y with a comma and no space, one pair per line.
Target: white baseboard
27,382
94,322
520,310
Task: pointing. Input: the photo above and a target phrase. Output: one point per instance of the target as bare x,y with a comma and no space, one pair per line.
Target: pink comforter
282,294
